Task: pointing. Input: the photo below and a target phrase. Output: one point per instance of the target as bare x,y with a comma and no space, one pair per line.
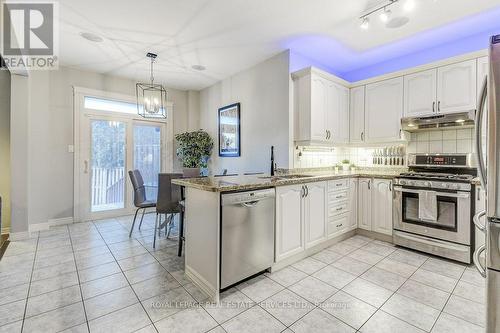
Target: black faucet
273,165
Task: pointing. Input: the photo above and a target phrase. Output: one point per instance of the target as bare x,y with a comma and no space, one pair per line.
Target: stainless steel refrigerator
488,156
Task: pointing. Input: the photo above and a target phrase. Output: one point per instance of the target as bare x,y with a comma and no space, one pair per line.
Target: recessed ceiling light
91,37
397,22
198,67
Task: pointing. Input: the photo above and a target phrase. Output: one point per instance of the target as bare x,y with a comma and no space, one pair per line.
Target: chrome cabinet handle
477,262
307,190
362,136
302,191
477,221
439,106
85,166
369,184
479,133
390,186
434,106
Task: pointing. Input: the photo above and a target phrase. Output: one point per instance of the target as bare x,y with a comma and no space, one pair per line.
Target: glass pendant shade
151,97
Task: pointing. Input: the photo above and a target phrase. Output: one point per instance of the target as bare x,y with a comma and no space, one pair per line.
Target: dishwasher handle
247,198
250,204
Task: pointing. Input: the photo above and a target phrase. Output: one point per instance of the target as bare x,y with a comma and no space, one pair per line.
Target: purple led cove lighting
467,35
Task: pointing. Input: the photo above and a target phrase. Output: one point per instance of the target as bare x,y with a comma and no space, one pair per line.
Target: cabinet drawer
335,197
336,185
334,210
337,224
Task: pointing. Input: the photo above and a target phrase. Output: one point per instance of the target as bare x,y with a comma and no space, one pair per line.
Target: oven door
453,218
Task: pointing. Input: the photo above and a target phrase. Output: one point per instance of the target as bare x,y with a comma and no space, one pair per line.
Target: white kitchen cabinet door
365,203
289,217
383,110
315,213
353,204
420,93
480,203
382,206
483,68
318,108
357,115
337,113
456,87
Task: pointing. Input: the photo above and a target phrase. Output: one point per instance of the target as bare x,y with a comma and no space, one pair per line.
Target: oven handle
443,194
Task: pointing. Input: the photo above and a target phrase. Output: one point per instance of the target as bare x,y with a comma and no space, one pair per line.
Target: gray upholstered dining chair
169,203
140,200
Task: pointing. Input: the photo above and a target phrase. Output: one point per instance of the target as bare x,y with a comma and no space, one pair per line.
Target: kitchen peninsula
313,210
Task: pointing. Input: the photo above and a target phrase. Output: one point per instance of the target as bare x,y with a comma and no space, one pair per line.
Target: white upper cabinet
321,109
382,206
420,93
315,213
357,115
383,110
483,68
456,87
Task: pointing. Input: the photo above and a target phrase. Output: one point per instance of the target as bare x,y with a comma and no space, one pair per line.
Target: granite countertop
239,183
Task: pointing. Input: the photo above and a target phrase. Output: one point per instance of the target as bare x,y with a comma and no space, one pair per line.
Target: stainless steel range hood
439,121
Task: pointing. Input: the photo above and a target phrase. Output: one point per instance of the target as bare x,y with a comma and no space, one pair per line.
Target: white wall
263,92
49,168
5,146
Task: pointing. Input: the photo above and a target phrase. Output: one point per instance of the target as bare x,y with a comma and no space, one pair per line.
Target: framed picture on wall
229,131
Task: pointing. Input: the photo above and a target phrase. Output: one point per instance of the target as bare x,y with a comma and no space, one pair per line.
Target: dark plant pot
191,172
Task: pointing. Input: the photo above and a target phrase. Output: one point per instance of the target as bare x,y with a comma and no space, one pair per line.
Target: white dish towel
427,206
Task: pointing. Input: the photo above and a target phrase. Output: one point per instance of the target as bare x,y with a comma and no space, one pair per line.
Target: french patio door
110,146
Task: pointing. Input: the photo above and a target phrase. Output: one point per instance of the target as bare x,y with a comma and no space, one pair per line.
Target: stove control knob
445,185
454,186
402,182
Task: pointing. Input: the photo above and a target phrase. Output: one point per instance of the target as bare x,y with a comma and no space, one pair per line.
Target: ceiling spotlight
91,37
385,15
365,24
409,5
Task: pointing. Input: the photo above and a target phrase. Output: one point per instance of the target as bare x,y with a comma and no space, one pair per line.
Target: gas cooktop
437,176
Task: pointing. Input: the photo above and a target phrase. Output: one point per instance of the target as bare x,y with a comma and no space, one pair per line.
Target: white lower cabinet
315,213
353,204
375,205
365,204
300,218
289,228
382,206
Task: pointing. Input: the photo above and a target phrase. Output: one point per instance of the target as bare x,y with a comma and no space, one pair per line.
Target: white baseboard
50,223
17,236
203,284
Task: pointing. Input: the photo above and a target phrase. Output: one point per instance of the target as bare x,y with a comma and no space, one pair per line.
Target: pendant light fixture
150,96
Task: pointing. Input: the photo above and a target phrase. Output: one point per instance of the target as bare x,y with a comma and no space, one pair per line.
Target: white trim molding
50,223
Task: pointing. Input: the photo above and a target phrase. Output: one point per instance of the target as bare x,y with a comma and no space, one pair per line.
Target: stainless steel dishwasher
247,234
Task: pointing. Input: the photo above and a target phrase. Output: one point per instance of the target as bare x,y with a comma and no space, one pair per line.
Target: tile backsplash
446,141
314,157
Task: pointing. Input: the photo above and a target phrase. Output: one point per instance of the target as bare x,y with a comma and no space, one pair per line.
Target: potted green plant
345,165
194,151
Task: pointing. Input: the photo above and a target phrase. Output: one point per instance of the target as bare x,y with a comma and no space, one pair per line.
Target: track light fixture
385,12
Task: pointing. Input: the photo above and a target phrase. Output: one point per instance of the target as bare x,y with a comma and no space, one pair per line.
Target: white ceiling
226,36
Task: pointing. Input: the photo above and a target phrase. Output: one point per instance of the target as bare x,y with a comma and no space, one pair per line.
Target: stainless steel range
433,205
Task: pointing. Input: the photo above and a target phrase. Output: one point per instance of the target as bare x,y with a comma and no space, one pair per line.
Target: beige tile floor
92,277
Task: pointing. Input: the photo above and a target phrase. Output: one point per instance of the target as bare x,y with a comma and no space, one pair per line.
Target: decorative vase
191,172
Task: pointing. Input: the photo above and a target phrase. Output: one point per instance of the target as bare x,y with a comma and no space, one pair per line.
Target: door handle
477,221
85,166
477,262
479,129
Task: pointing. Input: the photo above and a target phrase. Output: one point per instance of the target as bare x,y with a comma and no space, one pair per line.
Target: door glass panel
147,156
107,165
